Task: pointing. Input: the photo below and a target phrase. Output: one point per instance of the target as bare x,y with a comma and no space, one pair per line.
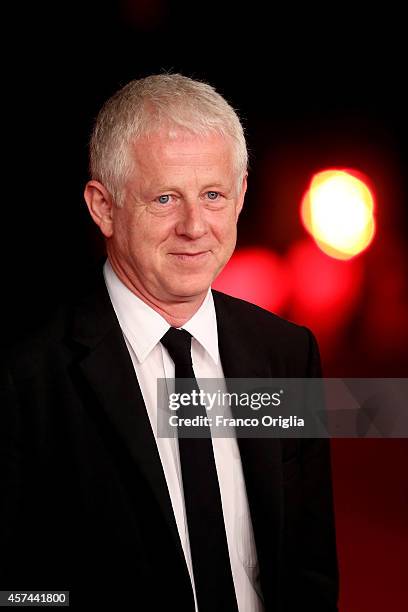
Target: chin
190,288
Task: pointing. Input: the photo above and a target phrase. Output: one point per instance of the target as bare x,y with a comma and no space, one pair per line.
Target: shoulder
82,320
268,336
257,319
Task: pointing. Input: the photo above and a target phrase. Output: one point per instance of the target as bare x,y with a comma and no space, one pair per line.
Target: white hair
146,106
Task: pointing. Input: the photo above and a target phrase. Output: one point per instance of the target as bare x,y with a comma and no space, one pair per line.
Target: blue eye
212,195
164,199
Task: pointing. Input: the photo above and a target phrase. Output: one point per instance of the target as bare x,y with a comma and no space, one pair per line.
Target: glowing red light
324,290
256,275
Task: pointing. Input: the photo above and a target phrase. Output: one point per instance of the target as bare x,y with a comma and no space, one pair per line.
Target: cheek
146,243
123,230
224,225
226,232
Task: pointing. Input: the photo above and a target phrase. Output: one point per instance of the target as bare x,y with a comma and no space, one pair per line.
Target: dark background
316,88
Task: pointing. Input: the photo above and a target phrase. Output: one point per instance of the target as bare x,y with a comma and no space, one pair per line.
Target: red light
324,290
256,275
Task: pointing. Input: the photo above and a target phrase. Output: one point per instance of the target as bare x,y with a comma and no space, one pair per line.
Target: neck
176,311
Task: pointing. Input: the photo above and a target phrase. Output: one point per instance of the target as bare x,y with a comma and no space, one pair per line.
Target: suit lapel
241,357
107,367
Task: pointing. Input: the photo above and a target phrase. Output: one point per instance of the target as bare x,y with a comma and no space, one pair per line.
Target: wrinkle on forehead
162,143
160,160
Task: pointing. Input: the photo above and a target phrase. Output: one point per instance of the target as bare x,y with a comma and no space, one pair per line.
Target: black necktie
208,542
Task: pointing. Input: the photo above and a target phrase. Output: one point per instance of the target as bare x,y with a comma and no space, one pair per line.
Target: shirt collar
144,327
203,327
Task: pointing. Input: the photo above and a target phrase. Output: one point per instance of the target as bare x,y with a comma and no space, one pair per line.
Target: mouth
186,256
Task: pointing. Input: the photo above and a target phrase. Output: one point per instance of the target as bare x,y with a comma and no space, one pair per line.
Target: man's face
177,227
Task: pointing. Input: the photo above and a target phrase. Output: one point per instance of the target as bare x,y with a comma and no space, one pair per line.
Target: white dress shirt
143,328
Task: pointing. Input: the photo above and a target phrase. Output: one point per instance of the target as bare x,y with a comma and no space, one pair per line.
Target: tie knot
178,344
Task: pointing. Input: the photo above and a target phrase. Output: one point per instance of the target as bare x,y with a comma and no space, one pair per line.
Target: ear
241,196
100,206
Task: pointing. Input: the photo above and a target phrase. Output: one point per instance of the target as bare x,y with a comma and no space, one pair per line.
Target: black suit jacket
85,504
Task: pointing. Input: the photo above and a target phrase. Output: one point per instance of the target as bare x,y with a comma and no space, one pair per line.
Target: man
96,501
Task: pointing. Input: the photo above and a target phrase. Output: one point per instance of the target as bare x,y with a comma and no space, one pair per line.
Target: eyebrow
215,185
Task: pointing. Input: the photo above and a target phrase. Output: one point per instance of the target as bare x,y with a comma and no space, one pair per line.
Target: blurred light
338,211
256,275
325,291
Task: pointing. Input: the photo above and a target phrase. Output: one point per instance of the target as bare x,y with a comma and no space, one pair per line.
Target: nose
191,222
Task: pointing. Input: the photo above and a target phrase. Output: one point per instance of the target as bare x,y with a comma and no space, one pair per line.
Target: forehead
169,151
